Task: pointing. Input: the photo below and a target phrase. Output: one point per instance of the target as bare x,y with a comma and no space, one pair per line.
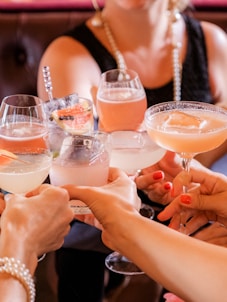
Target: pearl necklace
176,65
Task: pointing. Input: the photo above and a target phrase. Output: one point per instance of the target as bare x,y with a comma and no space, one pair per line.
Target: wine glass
24,169
121,103
25,158
186,127
121,100
23,122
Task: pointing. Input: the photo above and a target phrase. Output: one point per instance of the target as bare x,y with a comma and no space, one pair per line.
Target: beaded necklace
99,21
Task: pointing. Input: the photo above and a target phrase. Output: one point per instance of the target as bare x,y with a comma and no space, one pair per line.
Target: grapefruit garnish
6,157
73,119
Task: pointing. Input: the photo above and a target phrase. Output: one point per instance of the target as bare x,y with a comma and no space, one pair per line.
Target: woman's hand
156,180
205,201
38,222
108,202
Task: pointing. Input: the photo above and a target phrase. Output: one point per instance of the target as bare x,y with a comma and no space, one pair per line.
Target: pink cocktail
121,101
187,128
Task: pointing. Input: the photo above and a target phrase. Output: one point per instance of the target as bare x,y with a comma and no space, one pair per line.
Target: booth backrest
23,38
24,35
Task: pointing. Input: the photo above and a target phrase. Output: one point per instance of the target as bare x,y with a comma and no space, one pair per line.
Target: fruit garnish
6,157
74,119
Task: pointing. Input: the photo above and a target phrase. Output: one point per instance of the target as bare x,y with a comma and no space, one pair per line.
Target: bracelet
19,271
41,257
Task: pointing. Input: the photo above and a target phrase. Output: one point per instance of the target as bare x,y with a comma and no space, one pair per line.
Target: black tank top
195,80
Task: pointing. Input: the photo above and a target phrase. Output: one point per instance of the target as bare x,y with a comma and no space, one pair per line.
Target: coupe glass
24,152
132,151
187,128
121,101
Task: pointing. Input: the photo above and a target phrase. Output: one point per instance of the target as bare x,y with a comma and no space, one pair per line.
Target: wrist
17,247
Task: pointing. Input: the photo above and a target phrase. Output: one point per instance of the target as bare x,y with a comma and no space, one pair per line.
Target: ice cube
80,149
179,119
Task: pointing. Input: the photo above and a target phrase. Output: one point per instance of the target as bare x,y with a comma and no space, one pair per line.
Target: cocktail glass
187,128
25,171
23,123
25,158
121,101
131,152
70,114
82,160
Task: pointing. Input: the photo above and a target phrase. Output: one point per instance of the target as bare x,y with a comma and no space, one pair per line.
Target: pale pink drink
83,160
121,101
187,128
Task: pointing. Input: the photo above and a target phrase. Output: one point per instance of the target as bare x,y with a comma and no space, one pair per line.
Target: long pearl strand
99,21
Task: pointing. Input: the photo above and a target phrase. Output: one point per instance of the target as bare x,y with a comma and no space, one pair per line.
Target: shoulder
215,36
216,45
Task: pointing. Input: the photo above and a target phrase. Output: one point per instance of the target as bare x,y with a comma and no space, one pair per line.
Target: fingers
215,202
144,182
46,191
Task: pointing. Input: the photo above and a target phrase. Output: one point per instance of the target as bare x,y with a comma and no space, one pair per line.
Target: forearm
168,256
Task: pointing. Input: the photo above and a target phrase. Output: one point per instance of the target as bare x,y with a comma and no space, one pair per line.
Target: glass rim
39,103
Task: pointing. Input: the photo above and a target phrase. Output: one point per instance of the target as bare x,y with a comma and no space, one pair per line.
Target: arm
190,268
30,227
72,69
216,43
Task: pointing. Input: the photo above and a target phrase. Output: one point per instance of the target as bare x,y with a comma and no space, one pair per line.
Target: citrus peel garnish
6,156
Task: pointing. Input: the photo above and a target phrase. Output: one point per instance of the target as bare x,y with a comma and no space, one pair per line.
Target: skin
192,269
141,33
31,226
156,190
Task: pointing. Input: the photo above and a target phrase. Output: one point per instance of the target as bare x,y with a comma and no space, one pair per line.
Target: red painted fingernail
157,175
167,186
186,199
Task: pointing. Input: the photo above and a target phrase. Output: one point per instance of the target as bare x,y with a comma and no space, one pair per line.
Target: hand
215,233
156,180
39,221
204,203
107,202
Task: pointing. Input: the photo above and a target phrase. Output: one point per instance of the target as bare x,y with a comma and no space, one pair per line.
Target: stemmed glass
121,100
24,153
187,128
121,104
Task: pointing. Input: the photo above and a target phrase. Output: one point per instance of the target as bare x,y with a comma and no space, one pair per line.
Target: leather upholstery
25,35
23,39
